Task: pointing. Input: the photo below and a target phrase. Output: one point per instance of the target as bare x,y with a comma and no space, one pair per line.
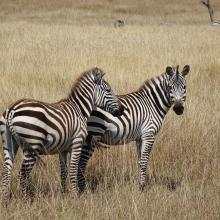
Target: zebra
144,112
41,128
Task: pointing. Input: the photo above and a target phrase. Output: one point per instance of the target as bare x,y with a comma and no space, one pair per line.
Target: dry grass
44,47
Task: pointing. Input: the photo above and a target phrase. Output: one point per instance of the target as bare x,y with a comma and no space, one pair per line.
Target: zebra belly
44,146
47,141
114,130
109,140
118,138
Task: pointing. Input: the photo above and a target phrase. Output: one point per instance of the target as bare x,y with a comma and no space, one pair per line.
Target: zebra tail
10,143
13,141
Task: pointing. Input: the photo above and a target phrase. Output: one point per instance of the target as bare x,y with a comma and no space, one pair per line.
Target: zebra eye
108,90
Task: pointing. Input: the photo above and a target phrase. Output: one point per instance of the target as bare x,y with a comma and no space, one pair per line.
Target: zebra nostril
118,112
121,109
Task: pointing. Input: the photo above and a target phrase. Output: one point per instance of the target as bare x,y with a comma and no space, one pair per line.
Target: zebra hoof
5,202
29,198
64,191
74,194
141,187
81,191
6,199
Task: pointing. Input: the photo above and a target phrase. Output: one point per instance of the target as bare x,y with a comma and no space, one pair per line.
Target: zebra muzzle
119,112
178,109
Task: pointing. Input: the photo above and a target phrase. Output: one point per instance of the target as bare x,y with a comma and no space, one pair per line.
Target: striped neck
156,91
82,94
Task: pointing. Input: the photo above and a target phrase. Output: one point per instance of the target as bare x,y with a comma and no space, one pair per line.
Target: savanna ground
45,45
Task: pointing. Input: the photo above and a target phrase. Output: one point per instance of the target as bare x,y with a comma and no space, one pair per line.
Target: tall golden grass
44,47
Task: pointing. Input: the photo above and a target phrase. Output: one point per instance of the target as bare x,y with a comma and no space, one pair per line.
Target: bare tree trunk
211,12
209,6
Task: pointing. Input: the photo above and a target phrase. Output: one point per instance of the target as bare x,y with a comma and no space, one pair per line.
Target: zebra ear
169,70
98,74
185,70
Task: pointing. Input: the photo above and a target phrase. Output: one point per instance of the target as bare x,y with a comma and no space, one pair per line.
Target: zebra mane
78,81
146,84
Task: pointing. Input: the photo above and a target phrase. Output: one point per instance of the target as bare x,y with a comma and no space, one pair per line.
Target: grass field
45,45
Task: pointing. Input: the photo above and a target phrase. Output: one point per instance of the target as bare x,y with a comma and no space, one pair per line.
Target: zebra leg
30,158
10,148
138,144
63,169
74,163
147,141
87,151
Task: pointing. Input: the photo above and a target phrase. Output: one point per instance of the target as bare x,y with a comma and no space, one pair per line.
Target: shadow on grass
169,183
100,182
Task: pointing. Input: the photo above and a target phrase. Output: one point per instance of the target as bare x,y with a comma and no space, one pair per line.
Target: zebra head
176,87
104,96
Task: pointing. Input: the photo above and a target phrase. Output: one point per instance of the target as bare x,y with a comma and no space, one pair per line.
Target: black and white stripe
144,112
41,128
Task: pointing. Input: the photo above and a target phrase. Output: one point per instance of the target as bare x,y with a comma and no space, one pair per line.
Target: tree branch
208,5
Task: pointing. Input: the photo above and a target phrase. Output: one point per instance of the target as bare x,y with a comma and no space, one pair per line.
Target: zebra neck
157,95
83,98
